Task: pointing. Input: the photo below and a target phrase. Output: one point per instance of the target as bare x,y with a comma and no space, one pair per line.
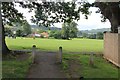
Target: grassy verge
13,68
101,69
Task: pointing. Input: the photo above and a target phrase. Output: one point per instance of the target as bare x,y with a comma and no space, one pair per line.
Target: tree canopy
10,14
47,13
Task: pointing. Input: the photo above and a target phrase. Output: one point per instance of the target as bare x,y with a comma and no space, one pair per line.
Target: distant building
45,34
41,35
37,35
34,35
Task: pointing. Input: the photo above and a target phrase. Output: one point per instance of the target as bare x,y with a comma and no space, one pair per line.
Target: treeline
68,31
98,35
23,30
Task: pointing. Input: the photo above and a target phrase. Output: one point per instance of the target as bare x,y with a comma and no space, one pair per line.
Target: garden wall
112,47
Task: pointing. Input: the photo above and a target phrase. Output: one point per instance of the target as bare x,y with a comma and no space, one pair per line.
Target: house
42,35
37,35
45,34
34,35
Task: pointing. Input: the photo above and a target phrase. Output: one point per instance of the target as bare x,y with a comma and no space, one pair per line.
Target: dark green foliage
85,35
99,35
65,31
52,33
92,36
98,32
56,34
73,30
26,28
19,33
41,31
8,31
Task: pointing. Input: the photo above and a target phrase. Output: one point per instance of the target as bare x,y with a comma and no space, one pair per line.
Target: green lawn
101,69
13,68
75,45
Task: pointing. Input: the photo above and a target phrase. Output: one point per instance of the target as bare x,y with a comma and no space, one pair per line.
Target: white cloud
93,21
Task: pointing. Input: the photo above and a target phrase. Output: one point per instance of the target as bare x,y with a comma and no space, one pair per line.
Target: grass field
101,69
75,45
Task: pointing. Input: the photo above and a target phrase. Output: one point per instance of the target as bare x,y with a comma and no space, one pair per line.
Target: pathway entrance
45,66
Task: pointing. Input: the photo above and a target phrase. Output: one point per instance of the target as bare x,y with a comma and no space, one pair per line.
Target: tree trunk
2,36
111,11
5,49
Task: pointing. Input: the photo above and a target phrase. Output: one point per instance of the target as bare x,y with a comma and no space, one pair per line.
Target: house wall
112,47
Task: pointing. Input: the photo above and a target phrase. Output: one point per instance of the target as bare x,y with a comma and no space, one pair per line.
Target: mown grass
74,45
101,68
13,68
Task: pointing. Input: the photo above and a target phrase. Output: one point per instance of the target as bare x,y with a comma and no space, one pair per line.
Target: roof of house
45,34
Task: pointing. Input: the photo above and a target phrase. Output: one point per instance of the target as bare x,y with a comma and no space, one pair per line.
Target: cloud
93,21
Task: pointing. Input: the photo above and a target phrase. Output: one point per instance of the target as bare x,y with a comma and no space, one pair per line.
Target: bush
19,33
99,35
56,34
92,36
8,32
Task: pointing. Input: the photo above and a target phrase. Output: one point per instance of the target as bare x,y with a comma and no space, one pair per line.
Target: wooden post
91,62
60,54
118,29
33,53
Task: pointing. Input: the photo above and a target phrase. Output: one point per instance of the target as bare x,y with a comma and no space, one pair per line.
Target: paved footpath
45,66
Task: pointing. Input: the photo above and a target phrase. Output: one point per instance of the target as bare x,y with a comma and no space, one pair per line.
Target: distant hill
95,30
44,28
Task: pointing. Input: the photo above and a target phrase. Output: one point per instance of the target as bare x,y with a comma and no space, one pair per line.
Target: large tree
26,28
69,30
110,11
63,12
74,30
8,14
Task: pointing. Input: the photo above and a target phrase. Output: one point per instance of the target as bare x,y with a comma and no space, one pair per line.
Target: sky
93,21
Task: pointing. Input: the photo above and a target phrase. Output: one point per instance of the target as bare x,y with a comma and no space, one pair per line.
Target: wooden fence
112,47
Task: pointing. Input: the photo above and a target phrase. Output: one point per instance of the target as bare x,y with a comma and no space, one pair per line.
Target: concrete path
45,66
